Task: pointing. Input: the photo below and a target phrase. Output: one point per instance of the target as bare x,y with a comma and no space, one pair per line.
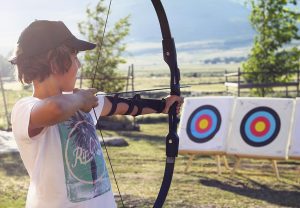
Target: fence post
132,78
286,87
127,79
4,103
298,79
239,79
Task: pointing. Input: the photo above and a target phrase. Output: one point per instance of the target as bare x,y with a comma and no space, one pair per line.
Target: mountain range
201,28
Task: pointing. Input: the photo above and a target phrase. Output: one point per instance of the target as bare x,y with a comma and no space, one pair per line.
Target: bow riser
170,57
172,140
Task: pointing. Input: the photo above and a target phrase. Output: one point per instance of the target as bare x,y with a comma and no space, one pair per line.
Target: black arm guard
136,101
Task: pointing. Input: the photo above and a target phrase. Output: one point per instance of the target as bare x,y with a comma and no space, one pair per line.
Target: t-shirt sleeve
20,117
96,112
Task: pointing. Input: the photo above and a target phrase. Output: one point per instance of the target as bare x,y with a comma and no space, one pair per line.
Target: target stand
203,128
294,151
260,129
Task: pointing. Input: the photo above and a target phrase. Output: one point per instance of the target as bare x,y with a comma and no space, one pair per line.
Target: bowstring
98,123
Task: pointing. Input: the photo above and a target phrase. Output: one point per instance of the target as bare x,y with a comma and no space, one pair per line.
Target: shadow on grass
133,201
11,164
145,137
255,190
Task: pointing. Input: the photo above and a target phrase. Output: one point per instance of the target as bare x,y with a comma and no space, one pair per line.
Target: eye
74,51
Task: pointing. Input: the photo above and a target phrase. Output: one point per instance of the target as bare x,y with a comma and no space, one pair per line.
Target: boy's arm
52,110
121,106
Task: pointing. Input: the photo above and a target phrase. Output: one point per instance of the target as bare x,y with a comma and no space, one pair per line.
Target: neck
46,88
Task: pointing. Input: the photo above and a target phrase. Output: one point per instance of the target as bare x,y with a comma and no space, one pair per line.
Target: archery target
261,127
204,124
294,150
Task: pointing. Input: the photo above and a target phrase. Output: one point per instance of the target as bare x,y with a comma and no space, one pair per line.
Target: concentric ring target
260,126
203,124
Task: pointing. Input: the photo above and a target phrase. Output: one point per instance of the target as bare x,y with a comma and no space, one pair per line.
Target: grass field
139,170
139,167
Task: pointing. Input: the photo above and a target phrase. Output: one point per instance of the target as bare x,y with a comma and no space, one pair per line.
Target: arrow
138,91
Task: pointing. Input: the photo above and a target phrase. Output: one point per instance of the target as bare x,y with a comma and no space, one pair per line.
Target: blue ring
267,135
216,120
270,136
196,117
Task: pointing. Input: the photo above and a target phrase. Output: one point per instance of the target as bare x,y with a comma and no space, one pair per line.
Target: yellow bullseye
203,124
260,126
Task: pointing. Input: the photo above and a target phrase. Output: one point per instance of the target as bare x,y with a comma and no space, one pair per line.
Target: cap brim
79,45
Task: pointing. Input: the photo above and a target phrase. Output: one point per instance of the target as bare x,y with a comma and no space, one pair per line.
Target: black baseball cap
43,35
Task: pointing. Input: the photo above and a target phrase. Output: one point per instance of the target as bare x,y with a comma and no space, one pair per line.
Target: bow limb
172,139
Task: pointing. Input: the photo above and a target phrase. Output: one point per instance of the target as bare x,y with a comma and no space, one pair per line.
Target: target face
203,124
260,126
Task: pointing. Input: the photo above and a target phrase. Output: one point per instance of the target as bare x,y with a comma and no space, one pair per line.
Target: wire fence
212,84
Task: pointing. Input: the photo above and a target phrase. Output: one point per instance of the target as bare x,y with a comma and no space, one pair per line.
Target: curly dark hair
57,60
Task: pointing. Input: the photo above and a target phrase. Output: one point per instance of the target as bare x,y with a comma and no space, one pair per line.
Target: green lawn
139,169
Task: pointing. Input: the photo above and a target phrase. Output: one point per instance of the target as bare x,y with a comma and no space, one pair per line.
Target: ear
54,67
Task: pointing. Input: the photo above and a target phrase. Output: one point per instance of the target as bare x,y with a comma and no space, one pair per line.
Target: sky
15,15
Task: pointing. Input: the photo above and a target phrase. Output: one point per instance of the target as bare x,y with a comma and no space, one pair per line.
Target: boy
54,131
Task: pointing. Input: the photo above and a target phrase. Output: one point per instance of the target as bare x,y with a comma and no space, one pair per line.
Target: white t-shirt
65,161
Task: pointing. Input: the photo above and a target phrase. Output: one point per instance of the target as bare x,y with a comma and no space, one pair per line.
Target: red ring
255,121
208,118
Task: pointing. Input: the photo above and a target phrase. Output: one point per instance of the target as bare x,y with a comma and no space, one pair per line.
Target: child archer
54,131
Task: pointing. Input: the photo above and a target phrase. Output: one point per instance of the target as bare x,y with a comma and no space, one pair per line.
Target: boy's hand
170,100
88,99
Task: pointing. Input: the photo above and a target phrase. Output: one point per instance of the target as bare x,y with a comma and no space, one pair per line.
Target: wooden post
132,88
128,77
189,163
298,79
132,77
239,80
4,102
286,87
225,162
236,165
218,164
275,168
226,80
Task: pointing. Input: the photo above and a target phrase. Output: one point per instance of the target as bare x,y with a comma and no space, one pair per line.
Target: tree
271,57
106,78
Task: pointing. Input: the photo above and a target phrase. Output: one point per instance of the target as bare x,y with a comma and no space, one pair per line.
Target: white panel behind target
204,124
294,151
261,127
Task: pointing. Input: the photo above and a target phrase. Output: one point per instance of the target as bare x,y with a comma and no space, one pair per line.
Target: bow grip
172,139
